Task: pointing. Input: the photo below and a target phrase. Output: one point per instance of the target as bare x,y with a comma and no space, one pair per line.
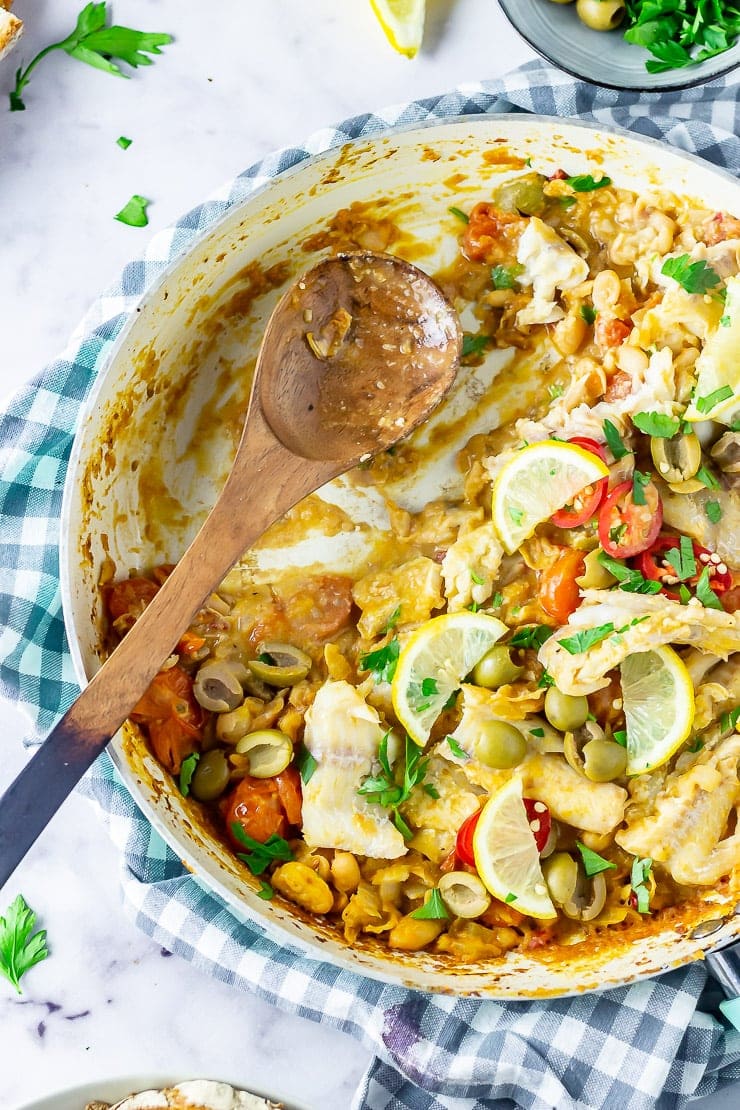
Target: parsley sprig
433,909
20,948
384,790
629,580
680,33
96,45
694,277
589,637
382,662
259,856
641,869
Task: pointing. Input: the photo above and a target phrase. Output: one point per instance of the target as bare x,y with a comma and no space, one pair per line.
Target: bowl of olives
643,45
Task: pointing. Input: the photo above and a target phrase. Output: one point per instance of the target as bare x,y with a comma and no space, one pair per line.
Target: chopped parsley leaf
123,142
656,424
593,863
585,183
133,213
260,856
706,478
473,344
706,594
265,891
682,560
629,580
713,509
532,636
305,763
588,313
639,481
693,277
728,720
382,663
504,277
706,404
614,441
187,770
459,213
433,909
456,749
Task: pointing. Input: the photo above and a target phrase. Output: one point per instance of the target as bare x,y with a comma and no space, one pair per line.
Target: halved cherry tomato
625,528
587,501
264,807
558,591
172,717
652,564
492,234
464,842
540,821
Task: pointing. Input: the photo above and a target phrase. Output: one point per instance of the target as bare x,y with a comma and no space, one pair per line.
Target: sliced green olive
218,685
676,459
601,15
464,894
561,875
564,711
500,745
589,899
604,760
280,664
496,668
268,750
573,743
595,576
211,776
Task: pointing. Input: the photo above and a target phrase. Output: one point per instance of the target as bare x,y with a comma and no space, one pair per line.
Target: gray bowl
604,58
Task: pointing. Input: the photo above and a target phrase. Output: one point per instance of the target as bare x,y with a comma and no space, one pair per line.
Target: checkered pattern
651,1044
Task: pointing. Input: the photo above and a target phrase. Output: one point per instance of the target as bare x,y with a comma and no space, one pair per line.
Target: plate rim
75,1096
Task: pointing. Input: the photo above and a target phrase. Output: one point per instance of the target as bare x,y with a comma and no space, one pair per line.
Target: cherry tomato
609,331
652,564
540,821
258,805
625,528
464,842
130,597
172,717
491,234
619,386
587,501
558,591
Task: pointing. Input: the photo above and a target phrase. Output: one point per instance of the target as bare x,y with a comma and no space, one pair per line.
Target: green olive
676,459
564,711
268,750
601,15
218,685
496,668
500,745
561,875
604,760
595,576
280,664
523,194
211,776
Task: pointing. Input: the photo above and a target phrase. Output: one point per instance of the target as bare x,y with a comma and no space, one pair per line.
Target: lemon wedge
506,855
658,699
403,23
434,662
717,392
538,481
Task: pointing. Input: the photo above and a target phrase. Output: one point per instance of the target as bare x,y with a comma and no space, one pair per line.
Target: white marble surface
240,79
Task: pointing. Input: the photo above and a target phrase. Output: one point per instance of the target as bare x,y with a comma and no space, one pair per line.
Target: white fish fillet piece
343,733
661,621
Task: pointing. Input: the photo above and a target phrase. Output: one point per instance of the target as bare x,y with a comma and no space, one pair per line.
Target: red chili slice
651,564
626,528
464,842
540,821
587,501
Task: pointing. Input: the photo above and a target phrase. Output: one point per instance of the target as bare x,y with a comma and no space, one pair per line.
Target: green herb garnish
383,789
265,891
681,33
639,482
476,578
713,509
588,313
504,277
517,515
593,863
459,213
473,344
260,856
456,749
533,636
97,45
706,478
20,948
693,277
393,620
510,897
629,580
382,663
657,424
640,874
133,213
123,142
582,641
538,732
706,404
585,183
728,721
433,909
187,770
681,559
620,737
706,594
614,440
305,763
545,681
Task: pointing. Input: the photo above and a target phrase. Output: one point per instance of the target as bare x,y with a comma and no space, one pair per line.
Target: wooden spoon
355,356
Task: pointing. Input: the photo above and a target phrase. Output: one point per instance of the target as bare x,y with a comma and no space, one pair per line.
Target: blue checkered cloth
652,1044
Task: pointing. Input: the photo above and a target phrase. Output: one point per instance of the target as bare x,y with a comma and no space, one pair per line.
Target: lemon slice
538,481
403,23
717,392
506,855
658,699
433,663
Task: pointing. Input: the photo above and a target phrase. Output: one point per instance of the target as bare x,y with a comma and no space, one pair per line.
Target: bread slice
11,28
